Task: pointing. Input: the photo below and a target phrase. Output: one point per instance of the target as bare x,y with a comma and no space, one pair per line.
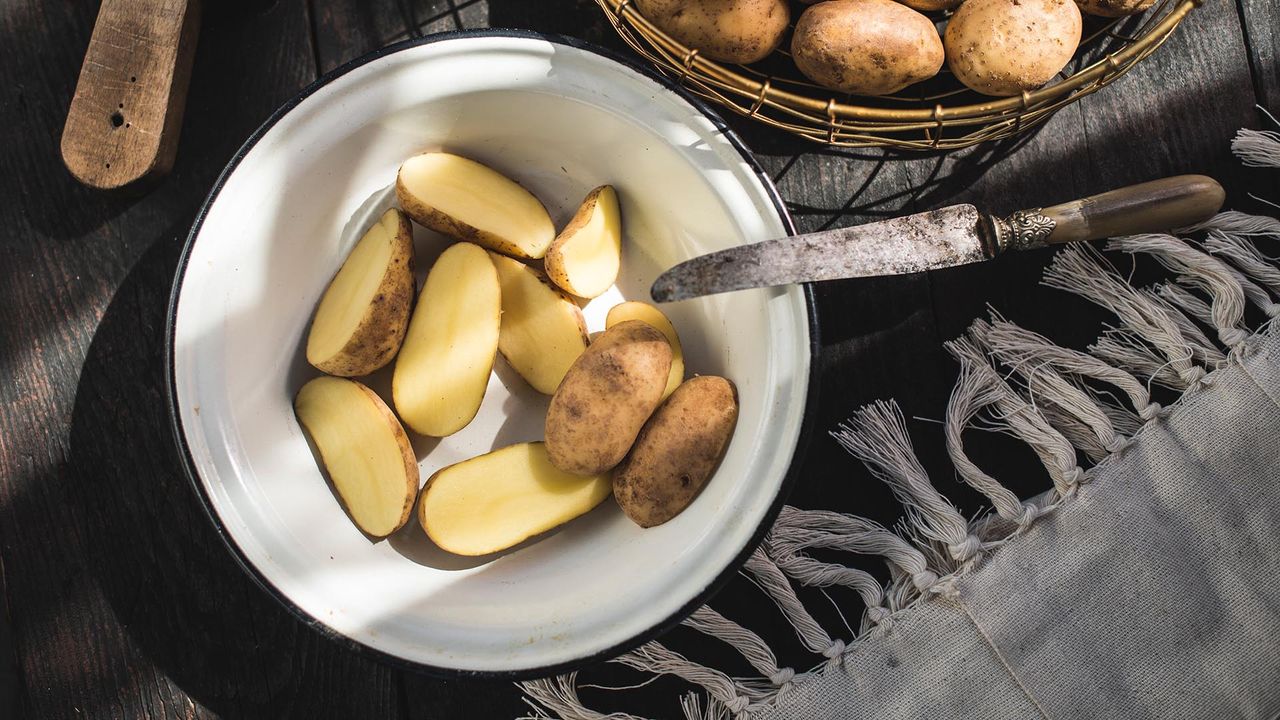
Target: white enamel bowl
561,119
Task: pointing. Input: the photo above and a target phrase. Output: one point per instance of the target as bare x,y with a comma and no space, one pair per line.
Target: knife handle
1155,206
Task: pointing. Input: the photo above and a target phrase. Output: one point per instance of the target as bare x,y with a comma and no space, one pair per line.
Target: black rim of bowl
697,601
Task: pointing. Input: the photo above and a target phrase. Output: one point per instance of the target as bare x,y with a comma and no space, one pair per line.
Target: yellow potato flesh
652,316
498,500
443,367
349,296
542,330
364,450
585,258
472,202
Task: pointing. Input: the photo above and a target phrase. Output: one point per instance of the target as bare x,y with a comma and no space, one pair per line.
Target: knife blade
946,237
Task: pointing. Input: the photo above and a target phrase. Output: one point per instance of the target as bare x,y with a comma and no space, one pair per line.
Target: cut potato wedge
474,203
443,367
585,257
646,313
364,449
543,331
498,500
362,316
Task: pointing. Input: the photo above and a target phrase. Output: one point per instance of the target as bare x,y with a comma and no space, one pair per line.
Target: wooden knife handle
126,114
1155,206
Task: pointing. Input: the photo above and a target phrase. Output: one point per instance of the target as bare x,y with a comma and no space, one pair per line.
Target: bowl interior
560,120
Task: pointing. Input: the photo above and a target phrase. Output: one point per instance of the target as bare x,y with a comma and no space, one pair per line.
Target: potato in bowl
301,195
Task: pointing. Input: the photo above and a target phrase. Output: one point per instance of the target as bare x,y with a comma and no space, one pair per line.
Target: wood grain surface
127,111
119,599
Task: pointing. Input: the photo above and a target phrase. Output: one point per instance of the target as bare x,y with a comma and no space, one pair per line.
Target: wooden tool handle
1156,206
126,114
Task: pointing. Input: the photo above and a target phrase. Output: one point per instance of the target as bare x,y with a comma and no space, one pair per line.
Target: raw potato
543,332
1003,47
606,397
1114,8
444,364
496,501
585,257
867,47
647,313
472,202
677,451
363,314
734,31
364,449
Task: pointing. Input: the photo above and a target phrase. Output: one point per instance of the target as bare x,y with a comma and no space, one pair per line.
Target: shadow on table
576,18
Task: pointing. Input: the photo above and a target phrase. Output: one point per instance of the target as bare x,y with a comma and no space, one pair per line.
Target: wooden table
121,602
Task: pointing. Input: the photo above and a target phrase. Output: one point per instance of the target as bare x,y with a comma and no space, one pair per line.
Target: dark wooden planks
10,678
346,29
1261,19
111,620
124,602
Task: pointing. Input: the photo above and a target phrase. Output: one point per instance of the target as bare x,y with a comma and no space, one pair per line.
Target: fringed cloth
1140,584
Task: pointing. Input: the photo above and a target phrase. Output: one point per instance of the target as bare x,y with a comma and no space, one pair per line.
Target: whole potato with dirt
866,47
677,451
606,397
735,31
1003,47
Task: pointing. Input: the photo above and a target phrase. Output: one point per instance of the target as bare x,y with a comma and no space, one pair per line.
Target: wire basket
937,114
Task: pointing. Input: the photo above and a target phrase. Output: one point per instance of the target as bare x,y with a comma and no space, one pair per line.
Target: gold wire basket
937,114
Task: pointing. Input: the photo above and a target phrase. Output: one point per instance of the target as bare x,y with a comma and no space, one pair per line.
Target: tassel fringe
1062,403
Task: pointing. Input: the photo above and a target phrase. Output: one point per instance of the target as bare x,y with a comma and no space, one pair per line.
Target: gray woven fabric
1151,593
1144,586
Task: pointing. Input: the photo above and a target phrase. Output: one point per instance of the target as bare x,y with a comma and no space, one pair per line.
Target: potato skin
405,448
378,336
734,31
606,397
867,47
677,451
1114,8
407,455
1003,47
433,219
553,262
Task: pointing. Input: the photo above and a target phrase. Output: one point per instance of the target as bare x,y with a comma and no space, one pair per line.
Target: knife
955,235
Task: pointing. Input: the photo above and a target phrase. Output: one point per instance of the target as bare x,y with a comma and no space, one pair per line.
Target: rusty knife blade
914,243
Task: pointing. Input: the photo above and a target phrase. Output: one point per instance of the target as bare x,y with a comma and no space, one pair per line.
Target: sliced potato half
364,449
543,331
498,500
472,202
646,313
585,257
362,316
443,367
